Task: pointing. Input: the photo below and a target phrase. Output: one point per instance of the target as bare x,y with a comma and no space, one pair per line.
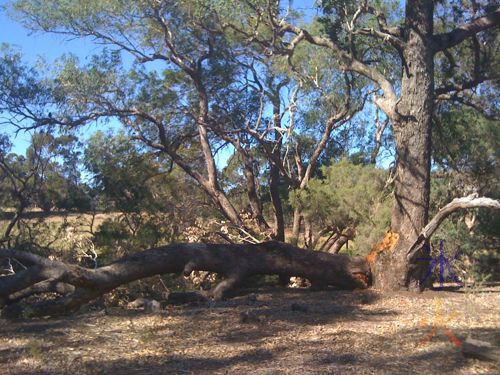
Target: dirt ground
270,331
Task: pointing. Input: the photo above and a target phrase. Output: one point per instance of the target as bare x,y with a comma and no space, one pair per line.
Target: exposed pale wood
471,201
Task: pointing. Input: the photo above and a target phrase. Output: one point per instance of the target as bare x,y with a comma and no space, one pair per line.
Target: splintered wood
388,243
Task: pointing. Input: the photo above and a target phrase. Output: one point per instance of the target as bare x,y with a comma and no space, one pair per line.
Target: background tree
218,96
190,58
151,202
347,203
467,165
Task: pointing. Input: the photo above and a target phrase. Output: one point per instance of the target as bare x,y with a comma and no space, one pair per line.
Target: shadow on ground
266,332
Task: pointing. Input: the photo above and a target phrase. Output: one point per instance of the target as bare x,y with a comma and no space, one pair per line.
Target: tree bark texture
411,117
274,178
412,134
77,285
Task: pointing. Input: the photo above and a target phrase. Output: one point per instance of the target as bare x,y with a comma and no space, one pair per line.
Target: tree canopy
251,110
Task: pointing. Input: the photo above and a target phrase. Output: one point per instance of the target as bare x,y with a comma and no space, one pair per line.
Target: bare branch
490,114
391,39
333,122
472,201
465,85
458,35
379,132
395,31
389,99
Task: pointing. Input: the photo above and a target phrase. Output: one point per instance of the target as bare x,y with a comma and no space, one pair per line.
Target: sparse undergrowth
270,331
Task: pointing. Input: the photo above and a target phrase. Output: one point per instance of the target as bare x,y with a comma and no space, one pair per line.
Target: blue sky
48,46
34,46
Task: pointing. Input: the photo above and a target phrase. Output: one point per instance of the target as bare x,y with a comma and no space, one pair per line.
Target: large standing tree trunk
79,286
413,145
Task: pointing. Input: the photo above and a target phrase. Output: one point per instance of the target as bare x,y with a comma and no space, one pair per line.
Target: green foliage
338,14
59,182
466,151
21,89
468,143
349,195
182,51
120,171
155,204
130,232
475,57
48,175
475,232
40,179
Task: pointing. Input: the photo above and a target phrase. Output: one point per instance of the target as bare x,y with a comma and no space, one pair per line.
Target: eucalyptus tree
365,36
302,103
35,180
185,61
193,83
16,185
165,99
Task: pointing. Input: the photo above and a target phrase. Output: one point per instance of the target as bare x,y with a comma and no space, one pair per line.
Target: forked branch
471,201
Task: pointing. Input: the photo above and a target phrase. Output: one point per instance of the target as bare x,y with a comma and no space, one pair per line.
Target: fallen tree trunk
77,285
